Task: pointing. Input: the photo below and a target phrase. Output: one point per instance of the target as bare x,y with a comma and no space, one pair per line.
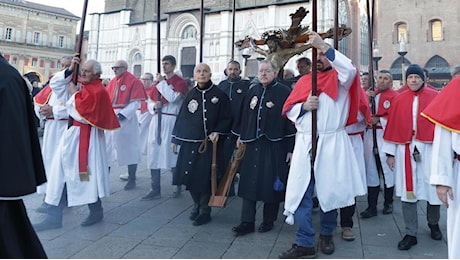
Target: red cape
327,82
143,108
93,104
364,106
125,89
43,96
385,102
399,129
178,83
443,109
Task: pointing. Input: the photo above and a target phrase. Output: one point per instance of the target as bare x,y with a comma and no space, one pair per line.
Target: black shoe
368,213
195,212
151,196
326,244
265,227
435,232
298,252
407,242
387,209
202,219
47,225
130,185
93,218
244,228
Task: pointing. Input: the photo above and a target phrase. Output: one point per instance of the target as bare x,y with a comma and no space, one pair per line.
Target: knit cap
415,69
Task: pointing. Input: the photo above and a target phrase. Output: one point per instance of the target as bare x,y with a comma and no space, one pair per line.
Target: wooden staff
201,30
370,24
80,40
233,29
314,82
336,25
158,110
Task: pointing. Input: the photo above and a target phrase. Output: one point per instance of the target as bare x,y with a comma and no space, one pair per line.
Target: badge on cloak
214,100
253,103
270,104
239,91
386,104
192,106
123,87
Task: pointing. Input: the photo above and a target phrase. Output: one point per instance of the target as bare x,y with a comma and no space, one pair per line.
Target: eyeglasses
145,79
116,67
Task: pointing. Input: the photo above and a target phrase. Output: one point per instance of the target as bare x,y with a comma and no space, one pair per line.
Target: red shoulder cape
178,83
43,96
399,129
327,82
443,110
93,104
385,101
125,89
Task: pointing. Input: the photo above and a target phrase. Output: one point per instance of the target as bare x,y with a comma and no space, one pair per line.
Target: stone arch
180,23
136,59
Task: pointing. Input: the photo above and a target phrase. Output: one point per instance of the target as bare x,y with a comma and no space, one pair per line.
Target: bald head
202,74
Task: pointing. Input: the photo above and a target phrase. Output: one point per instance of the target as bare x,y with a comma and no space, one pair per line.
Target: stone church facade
127,30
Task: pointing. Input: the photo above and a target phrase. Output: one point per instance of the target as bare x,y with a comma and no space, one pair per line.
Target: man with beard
339,183
235,88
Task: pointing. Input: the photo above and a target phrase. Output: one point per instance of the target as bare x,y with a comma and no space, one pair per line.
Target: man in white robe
79,167
338,183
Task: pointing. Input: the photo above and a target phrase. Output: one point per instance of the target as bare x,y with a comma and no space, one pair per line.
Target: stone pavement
161,229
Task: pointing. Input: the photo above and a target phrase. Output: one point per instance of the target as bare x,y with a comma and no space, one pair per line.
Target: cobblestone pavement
161,229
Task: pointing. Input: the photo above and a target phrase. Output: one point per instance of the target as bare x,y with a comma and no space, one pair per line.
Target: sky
75,7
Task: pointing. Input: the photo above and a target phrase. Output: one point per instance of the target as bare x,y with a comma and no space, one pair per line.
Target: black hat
415,69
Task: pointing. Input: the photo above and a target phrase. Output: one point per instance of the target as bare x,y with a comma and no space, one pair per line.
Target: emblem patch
214,100
239,91
123,87
192,106
386,104
270,104
253,103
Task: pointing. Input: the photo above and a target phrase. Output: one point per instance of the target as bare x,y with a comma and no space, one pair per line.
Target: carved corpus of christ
283,44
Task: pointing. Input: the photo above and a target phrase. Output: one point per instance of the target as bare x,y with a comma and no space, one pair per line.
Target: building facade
425,30
34,37
127,29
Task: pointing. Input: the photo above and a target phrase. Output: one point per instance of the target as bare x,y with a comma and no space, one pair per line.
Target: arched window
401,32
436,30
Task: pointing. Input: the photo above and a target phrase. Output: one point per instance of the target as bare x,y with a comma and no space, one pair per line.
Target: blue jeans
305,234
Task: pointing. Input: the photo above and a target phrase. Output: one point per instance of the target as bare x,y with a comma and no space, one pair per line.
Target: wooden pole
233,29
158,110
314,87
201,30
80,40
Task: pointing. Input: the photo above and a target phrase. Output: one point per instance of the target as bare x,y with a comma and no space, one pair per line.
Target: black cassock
204,111
21,166
268,137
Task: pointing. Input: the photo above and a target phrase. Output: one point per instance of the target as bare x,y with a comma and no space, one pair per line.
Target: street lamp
402,51
376,58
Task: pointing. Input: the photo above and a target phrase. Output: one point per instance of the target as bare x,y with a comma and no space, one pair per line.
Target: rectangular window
8,34
34,62
436,31
61,41
36,37
42,63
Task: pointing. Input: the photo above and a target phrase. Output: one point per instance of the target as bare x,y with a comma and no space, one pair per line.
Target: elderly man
125,91
79,167
269,140
205,115
408,147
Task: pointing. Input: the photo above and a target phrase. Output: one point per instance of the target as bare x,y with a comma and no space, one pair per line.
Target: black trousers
248,211
17,236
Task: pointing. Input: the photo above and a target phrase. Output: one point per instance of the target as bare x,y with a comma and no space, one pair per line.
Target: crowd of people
406,143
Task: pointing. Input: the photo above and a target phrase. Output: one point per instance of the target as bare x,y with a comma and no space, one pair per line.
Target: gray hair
455,70
97,68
